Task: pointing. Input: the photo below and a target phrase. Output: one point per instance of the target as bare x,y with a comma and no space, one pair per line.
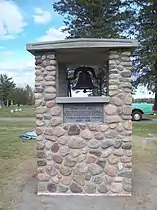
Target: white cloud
2,47
53,34
42,16
11,20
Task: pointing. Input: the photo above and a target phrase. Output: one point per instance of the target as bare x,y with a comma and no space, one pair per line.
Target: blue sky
22,22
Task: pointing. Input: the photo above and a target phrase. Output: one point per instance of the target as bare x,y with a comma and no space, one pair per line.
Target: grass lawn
18,160
144,128
27,111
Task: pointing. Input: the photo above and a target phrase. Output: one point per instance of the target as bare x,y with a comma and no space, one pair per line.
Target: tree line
11,94
118,19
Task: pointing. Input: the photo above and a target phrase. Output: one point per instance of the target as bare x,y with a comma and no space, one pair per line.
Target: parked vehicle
138,109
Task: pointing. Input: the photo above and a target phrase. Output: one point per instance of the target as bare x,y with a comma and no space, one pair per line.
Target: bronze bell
84,82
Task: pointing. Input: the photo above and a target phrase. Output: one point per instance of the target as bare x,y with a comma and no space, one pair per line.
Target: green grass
16,158
144,128
27,111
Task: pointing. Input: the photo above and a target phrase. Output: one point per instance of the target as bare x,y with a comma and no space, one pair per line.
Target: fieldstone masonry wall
84,159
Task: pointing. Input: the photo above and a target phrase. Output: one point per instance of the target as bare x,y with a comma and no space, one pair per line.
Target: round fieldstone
41,163
50,138
58,131
50,89
95,169
127,181
103,128
64,151
128,99
120,127
51,187
102,188
50,83
117,101
95,152
56,121
116,187
86,134
48,155
93,127
40,154
126,159
51,56
113,119
113,159
50,104
127,188
83,127
107,143
66,180
126,173
110,170
65,171
81,158
113,125
93,144
126,73
128,165
117,143
40,146
50,68
111,134
99,135
127,110
75,153
79,179
62,189
48,131
48,96
81,168
127,146
101,163
90,188
90,159
88,176
55,180
63,140
69,163
57,158
55,111
49,78
118,179
97,180
55,148
39,131
76,142
128,153
113,87
106,153
110,109
118,152
39,123
38,102
43,177
108,180
74,130
75,188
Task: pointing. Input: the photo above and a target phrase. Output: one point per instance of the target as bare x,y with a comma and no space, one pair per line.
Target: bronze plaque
83,113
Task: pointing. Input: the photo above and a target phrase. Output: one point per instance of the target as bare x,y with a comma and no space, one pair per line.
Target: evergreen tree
94,18
145,60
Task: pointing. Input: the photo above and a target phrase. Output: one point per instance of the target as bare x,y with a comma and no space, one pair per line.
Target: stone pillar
120,89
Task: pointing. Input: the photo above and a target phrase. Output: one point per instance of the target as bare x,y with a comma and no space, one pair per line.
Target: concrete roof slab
84,43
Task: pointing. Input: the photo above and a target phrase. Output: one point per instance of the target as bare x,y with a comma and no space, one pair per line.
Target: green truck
138,109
